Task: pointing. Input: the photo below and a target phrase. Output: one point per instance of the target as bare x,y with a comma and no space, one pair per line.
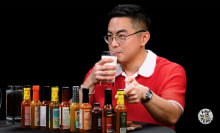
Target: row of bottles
45,114
74,117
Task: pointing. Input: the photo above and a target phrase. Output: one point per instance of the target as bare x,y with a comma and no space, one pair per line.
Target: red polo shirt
165,78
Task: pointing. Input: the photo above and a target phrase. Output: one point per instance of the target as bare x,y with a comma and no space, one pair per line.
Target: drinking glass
112,55
13,103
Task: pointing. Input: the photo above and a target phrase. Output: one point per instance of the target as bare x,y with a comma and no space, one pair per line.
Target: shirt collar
146,69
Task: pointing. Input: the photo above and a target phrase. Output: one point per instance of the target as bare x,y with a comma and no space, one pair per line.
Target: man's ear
145,38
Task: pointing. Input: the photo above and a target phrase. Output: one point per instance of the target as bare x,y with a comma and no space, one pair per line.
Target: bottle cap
120,92
108,90
85,90
36,87
65,93
27,87
46,93
26,92
75,96
55,88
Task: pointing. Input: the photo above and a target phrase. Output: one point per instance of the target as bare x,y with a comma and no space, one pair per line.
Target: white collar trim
146,69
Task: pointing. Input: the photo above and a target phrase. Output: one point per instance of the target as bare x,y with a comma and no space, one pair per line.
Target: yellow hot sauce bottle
121,113
25,108
74,110
54,112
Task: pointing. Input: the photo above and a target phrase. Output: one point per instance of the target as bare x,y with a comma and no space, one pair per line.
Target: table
16,128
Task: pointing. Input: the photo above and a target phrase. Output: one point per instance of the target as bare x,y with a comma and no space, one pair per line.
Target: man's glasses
120,38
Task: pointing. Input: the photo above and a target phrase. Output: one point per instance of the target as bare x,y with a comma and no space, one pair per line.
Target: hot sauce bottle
35,107
121,113
44,108
54,109
109,114
85,111
26,108
74,110
65,110
96,118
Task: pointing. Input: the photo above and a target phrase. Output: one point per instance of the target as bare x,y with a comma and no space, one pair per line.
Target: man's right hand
100,72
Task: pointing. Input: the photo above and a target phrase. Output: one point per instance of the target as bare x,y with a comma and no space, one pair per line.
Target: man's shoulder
164,63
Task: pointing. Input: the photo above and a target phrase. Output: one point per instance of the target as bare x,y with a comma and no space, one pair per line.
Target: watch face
148,96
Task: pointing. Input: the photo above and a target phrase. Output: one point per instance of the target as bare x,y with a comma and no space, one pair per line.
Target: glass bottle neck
65,96
85,99
46,93
54,96
108,98
35,95
26,95
85,95
75,95
120,99
75,99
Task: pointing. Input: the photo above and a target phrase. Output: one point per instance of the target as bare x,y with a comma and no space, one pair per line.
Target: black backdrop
58,47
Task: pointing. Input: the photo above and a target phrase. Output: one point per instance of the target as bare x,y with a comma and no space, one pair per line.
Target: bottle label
103,121
43,119
37,116
77,119
80,119
87,119
123,122
99,122
65,117
60,109
56,117
109,123
27,114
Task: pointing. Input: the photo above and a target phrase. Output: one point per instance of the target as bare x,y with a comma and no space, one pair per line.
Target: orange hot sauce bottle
35,107
26,108
74,110
121,113
85,112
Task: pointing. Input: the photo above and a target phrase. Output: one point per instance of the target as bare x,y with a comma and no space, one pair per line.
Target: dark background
59,46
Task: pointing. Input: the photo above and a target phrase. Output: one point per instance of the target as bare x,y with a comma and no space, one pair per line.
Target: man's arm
161,110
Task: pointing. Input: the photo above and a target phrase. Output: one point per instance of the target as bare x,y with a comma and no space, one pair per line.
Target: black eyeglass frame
116,37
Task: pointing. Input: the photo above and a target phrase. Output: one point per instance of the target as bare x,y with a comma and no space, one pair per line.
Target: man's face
122,26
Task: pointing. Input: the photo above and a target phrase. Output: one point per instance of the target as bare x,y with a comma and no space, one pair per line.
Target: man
154,86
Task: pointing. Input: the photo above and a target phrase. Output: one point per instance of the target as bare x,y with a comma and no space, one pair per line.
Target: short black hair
135,12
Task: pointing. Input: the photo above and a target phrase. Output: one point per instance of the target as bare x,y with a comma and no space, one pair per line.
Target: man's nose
114,42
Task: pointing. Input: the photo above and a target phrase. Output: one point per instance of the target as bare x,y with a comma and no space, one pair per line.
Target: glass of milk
112,55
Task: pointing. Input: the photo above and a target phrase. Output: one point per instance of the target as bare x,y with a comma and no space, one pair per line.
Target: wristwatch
148,96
